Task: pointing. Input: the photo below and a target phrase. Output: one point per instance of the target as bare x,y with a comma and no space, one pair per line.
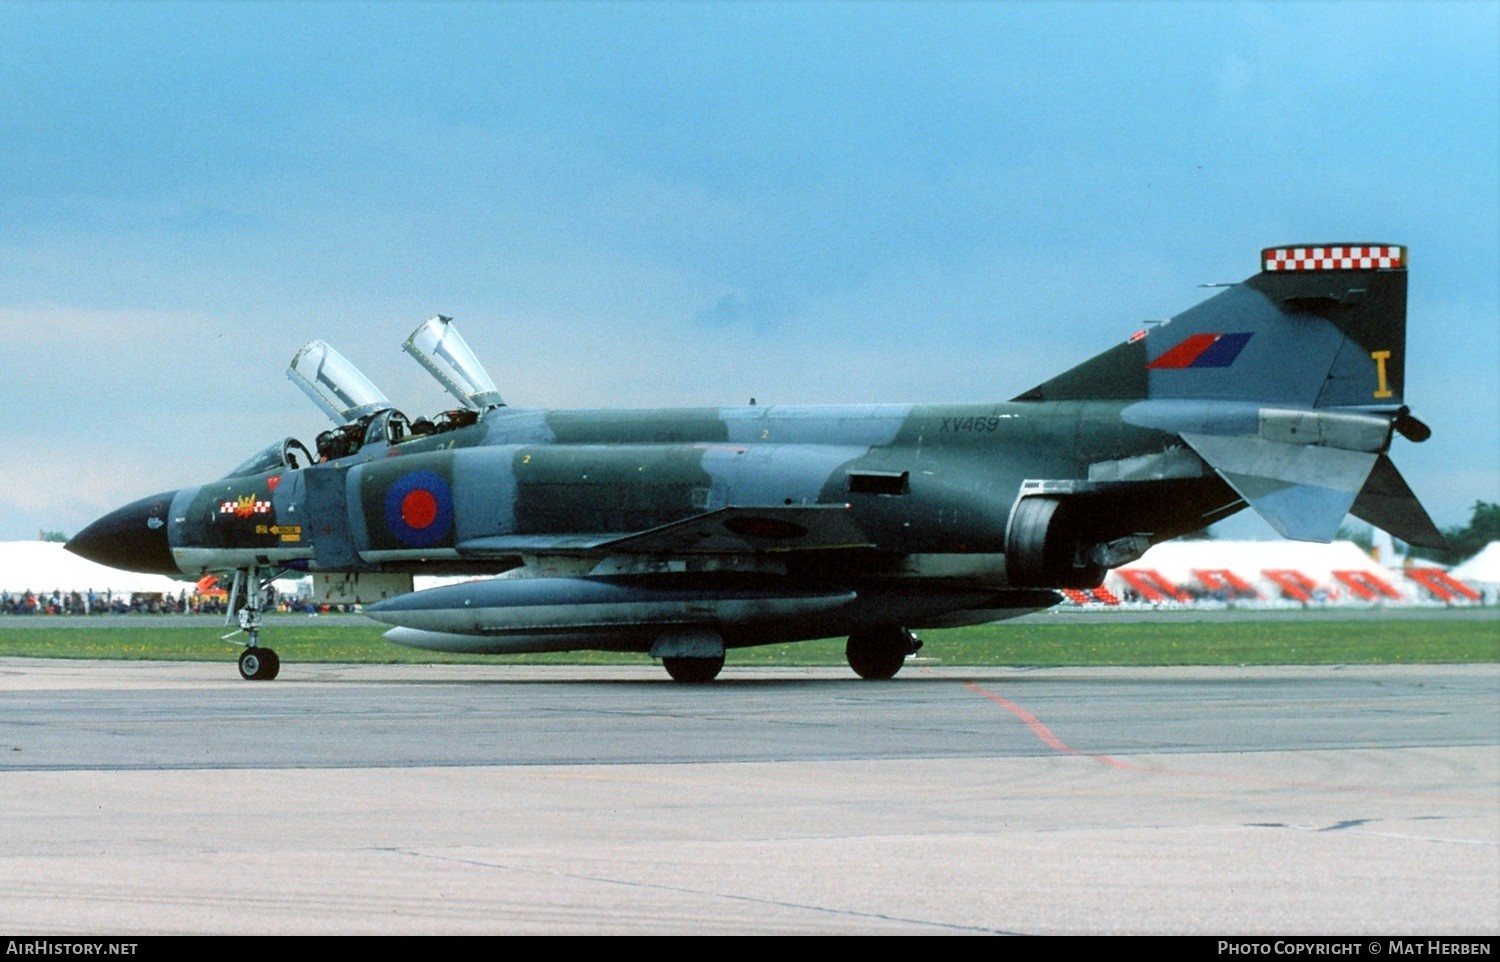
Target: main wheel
259,664
877,654
693,671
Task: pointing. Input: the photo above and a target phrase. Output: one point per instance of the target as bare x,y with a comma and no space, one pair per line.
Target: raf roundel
419,509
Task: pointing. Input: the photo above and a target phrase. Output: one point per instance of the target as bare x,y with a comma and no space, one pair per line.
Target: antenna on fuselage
438,347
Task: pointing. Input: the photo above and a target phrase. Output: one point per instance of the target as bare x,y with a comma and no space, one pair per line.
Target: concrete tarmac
155,798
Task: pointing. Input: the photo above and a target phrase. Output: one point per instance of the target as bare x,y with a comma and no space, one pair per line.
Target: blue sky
694,203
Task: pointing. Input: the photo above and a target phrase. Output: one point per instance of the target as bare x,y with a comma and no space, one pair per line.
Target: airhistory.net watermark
67,947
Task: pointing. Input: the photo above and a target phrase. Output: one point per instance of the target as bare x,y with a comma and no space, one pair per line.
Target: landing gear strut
878,653
256,663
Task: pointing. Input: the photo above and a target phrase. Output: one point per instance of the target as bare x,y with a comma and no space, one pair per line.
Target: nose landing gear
247,598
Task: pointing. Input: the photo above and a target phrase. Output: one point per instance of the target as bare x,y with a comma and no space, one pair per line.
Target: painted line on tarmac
1044,734
1046,737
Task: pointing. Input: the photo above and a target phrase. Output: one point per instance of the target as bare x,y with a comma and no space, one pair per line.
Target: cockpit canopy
437,346
362,414
286,455
335,385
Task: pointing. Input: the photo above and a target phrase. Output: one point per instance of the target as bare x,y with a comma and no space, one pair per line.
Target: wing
730,530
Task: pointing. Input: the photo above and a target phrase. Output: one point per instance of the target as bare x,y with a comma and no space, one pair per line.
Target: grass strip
1273,640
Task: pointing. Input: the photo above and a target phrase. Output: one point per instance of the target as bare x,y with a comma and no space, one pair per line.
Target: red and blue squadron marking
1203,350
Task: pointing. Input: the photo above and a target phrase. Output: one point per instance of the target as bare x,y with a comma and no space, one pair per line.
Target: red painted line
1044,734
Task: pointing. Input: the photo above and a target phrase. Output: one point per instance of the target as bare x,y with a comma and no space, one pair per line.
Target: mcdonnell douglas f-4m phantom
683,533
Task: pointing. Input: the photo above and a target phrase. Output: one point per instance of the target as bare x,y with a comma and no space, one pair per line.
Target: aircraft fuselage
930,480
684,532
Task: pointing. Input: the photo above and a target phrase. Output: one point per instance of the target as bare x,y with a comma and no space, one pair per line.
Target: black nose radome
132,538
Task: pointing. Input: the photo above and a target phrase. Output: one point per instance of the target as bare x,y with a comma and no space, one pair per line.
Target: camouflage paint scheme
684,532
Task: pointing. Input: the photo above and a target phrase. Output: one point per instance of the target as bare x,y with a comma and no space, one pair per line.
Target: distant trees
51,536
1483,528
1465,542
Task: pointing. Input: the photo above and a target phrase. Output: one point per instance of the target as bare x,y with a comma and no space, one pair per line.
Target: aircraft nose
132,538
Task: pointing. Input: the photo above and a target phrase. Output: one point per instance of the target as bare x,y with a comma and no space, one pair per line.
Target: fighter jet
684,533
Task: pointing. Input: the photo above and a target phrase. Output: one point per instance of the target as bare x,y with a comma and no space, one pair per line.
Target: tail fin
1307,358
1319,326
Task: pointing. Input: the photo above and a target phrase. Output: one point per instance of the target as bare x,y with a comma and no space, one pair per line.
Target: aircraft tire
877,654
259,664
693,671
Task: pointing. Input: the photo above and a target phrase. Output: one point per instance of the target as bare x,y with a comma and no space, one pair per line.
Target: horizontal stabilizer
1388,504
1303,491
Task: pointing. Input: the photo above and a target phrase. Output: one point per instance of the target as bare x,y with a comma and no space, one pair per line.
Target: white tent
44,566
1177,560
1322,572
1483,568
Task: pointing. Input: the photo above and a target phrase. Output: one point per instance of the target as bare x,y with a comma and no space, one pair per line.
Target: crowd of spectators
58,602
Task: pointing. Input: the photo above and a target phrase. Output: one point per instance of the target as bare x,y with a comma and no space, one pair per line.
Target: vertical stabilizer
1360,291
1320,326
1297,379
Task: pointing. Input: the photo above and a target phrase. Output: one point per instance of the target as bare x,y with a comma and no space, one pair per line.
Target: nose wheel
259,664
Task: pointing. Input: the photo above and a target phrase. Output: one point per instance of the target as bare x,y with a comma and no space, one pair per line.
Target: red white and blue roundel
419,509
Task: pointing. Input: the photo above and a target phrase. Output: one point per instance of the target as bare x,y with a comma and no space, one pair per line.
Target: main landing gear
692,656
247,599
693,671
874,653
878,653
